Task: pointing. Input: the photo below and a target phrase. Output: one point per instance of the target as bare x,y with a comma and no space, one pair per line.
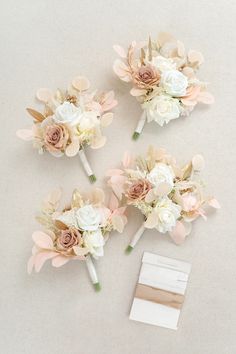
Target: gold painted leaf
35,114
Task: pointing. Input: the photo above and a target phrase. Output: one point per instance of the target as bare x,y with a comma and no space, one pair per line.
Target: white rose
167,213
161,173
94,241
88,120
67,113
162,109
163,64
88,218
174,83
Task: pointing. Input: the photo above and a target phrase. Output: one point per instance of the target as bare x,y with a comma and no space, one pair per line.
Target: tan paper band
159,296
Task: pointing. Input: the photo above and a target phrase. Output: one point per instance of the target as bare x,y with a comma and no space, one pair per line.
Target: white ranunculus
162,109
88,120
88,218
94,241
163,64
161,173
67,113
167,213
174,83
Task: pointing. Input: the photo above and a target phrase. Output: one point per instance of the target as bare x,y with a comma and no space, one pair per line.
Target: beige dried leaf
187,170
36,115
77,200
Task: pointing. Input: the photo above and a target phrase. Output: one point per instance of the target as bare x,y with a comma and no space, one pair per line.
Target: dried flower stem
86,166
135,238
141,123
92,273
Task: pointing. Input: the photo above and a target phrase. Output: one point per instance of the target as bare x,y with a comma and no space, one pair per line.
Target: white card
160,291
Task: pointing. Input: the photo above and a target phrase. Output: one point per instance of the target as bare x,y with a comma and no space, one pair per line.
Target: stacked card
159,294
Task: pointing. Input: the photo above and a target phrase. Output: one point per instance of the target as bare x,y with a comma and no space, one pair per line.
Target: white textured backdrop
46,43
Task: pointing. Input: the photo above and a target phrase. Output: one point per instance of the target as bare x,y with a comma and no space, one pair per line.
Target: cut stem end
92,178
129,249
135,136
97,287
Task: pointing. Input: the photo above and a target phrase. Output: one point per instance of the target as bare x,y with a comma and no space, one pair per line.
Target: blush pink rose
138,190
56,137
147,77
69,238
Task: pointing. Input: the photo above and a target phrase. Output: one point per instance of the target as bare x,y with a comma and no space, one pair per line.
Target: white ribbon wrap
141,123
137,236
92,272
85,162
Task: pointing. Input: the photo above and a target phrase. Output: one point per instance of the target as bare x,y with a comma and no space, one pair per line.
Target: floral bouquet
71,120
163,78
77,232
170,197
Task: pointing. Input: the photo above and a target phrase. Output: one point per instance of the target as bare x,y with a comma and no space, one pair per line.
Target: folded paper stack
159,294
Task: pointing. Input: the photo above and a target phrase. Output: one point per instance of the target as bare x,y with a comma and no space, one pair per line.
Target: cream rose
163,64
162,109
161,173
174,83
88,120
88,218
67,113
94,241
167,213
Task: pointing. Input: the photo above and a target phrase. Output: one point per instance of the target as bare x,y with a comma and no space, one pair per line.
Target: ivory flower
94,242
163,64
88,218
161,173
67,113
174,83
167,213
162,109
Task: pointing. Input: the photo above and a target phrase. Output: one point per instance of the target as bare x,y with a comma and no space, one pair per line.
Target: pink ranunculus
56,137
68,238
138,190
146,77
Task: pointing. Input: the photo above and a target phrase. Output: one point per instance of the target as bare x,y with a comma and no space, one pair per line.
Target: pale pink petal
122,70
164,37
205,97
25,134
152,220
137,92
119,50
98,142
30,264
42,240
73,148
41,258
178,234
120,211
80,251
114,172
44,95
150,197
127,159
214,203
81,83
181,49
106,119
105,214
118,223
195,57
59,261
113,203
163,189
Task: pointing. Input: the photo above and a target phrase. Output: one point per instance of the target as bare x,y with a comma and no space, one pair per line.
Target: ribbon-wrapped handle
139,128
86,166
135,238
92,273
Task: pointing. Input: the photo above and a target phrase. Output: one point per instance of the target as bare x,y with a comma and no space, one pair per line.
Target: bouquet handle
139,128
86,166
135,238
92,273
